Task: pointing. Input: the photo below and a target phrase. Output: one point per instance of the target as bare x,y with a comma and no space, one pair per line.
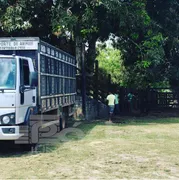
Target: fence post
122,100
83,81
96,87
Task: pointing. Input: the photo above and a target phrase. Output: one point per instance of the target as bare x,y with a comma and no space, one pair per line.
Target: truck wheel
62,123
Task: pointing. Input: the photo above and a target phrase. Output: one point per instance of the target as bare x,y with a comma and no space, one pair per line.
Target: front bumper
10,132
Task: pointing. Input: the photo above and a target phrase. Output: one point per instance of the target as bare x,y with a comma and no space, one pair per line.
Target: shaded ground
145,147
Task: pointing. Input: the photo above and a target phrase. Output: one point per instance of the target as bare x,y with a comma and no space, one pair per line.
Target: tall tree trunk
91,56
78,42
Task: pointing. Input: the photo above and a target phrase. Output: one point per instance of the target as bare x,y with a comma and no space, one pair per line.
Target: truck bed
57,77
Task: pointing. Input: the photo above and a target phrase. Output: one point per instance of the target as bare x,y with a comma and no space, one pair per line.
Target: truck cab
17,94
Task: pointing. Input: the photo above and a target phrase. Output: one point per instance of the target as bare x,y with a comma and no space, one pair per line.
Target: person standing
116,109
130,97
111,104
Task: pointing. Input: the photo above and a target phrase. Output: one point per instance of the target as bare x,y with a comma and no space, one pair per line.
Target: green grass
139,148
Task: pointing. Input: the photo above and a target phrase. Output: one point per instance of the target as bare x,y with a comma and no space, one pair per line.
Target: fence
92,89
94,109
149,99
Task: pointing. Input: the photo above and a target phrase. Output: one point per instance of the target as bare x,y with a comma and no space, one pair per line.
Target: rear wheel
64,118
62,123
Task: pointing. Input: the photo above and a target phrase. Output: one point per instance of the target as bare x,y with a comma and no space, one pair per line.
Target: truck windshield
7,73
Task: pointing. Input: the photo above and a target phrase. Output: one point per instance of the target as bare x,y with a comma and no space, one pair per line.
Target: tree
73,17
29,18
165,14
110,62
147,34
141,45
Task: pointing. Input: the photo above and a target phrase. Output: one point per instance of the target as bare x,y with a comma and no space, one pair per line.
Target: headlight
6,119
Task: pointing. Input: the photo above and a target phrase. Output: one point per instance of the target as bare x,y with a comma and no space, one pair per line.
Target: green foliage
13,20
142,46
26,18
110,62
63,21
147,32
165,16
76,17
149,66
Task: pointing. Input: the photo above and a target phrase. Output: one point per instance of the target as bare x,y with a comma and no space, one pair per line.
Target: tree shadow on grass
9,149
146,120
84,128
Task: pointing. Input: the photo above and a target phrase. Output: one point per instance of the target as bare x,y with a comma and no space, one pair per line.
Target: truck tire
62,122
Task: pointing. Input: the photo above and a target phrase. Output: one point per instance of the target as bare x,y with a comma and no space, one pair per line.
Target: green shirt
116,98
130,96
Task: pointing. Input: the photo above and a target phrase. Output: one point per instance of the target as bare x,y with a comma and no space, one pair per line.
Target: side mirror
33,79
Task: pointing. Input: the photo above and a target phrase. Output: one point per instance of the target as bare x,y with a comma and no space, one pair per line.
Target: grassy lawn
139,148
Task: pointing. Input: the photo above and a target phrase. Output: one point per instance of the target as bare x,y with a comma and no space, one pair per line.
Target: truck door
26,100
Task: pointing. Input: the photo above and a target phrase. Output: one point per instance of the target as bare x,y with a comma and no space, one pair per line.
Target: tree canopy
146,30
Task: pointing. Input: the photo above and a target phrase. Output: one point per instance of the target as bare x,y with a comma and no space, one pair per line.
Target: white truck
36,79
